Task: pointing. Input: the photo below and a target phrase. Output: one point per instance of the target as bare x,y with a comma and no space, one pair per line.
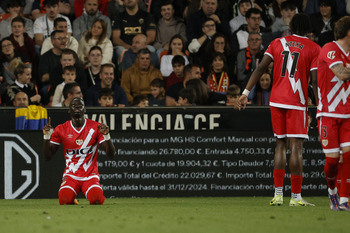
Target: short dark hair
18,19
138,99
143,51
95,47
242,1
157,82
207,20
68,88
165,3
105,92
50,2
111,65
233,90
189,94
178,59
69,69
53,34
252,11
341,28
188,68
14,3
288,5
301,24
57,20
67,51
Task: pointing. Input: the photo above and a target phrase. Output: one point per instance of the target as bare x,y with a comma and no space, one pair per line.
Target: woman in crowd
263,90
97,35
205,97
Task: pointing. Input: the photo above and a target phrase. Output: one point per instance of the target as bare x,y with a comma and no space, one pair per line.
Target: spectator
209,10
177,75
157,97
79,7
138,42
84,23
274,10
107,78
23,75
116,7
43,25
263,90
140,101
93,69
136,80
14,9
105,97
70,91
69,75
177,47
191,71
187,97
288,10
312,7
97,35
205,97
232,95
168,26
248,58
131,22
218,80
61,25
21,100
39,8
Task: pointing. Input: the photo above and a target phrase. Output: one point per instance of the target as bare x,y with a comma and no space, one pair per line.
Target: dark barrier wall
164,152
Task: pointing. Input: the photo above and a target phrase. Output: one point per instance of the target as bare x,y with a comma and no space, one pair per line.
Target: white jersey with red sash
80,148
334,94
294,58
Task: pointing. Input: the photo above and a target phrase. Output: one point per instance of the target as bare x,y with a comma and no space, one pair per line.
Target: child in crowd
186,97
105,97
140,101
157,97
177,75
233,94
69,75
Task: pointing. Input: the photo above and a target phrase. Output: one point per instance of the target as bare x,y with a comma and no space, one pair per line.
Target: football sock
278,177
296,181
296,196
345,176
343,200
332,191
66,196
95,196
331,170
338,184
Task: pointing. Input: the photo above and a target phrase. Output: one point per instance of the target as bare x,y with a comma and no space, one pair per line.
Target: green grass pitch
153,215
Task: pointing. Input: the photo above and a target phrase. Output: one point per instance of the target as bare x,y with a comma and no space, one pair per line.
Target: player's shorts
289,123
78,186
334,133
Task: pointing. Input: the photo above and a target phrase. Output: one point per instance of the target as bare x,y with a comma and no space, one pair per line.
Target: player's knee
66,196
95,196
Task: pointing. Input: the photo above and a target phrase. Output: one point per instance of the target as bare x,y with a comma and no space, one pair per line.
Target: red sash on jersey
224,82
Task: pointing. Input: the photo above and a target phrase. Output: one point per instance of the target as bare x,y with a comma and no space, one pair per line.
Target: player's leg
93,191
345,171
68,191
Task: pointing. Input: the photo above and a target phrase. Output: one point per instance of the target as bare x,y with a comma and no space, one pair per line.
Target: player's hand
104,129
48,128
243,100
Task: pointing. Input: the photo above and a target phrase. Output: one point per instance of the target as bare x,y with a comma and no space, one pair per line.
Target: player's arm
254,78
49,149
341,71
313,75
107,145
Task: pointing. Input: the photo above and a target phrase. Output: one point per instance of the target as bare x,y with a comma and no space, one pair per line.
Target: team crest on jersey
324,142
331,55
79,142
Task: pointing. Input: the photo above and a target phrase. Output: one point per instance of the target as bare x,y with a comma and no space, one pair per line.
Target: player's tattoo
340,71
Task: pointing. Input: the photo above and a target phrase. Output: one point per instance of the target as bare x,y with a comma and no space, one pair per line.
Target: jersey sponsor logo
132,30
81,151
79,142
331,55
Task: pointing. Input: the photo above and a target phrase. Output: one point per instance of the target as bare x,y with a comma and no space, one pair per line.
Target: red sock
278,176
338,184
95,196
345,176
331,171
66,196
296,182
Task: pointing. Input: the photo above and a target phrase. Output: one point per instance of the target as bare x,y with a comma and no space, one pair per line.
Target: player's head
77,108
301,25
342,27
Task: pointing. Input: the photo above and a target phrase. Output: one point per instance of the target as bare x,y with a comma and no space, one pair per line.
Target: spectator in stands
140,101
187,97
79,7
168,26
14,9
61,25
323,22
274,10
97,35
248,58
116,7
218,79
288,10
39,8
263,90
205,97
21,100
232,95
85,22
178,64
92,71
70,91
136,80
209,10
8,53
23,73
107,78
131,22
312,7
191,71
43,26
69,75
138,42
105,97
176,47
157,97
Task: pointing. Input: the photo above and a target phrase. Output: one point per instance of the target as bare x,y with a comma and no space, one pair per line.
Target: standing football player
80,138
333,112
295,59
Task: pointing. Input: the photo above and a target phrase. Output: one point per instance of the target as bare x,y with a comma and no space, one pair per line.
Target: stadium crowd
219,42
